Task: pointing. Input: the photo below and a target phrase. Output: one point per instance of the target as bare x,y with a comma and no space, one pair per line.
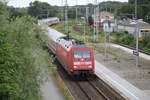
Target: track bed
91,88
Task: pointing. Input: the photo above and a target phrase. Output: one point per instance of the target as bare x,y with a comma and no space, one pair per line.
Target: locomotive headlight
88,63
75,66
76,63
90,66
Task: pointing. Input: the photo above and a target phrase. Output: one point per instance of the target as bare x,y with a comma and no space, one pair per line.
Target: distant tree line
36,9
143,9
110,6
43,9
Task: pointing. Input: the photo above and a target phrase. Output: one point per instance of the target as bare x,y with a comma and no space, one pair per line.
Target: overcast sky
25,3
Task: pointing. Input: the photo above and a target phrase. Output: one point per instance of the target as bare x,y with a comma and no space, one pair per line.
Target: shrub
128,40
18,72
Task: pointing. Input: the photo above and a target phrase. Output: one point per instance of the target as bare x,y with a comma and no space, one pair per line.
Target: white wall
129,29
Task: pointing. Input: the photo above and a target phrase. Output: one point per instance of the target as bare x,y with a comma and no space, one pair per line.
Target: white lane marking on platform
145,56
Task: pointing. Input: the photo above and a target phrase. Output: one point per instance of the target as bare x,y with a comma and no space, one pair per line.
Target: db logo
82,59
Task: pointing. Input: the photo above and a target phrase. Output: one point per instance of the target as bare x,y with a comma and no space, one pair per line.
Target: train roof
67,41
47,20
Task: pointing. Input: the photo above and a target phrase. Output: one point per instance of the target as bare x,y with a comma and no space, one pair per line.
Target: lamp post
94,35
96,14
107,30
84,27
66,17
137,39
97,22
76,11
87,14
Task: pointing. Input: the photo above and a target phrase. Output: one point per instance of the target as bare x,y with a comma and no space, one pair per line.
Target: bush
145,44
18,47
128,40
119,34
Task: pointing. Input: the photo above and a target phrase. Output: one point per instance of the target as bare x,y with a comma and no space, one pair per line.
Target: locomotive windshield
79,54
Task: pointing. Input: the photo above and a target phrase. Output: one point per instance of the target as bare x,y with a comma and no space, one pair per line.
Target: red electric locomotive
75,56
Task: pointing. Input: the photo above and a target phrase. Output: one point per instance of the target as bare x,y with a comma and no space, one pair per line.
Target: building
103,16
144,31
130,27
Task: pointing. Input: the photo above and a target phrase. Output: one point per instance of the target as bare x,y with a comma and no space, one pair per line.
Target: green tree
19,57
42,10
128,40
72,13
126,11
143,9
17,12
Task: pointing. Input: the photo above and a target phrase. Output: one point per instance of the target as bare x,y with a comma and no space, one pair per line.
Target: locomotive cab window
79,54
86,54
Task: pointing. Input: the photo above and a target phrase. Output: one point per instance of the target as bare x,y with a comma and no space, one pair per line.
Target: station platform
122,86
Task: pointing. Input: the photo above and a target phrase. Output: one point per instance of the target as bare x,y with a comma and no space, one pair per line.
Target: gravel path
49,88
50,91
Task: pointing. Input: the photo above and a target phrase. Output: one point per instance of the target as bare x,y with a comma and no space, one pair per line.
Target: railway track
91,91
98,90
82,89
91,88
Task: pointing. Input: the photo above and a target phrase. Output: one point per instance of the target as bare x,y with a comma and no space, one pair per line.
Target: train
49,21
75,56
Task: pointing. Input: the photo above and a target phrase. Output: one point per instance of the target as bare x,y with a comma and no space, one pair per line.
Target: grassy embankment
79,34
